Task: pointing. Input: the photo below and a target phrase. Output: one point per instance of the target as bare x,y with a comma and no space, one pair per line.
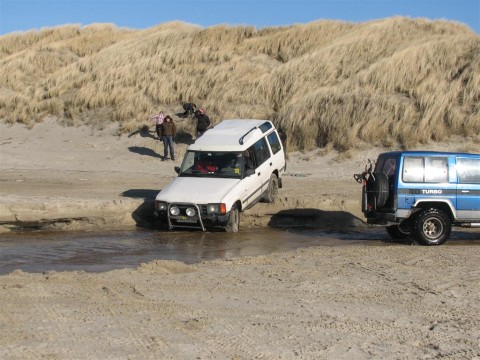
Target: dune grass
397,81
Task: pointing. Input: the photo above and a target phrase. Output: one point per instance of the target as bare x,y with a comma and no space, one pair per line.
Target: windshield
212,164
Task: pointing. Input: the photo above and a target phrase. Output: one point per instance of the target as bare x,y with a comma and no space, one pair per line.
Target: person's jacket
168,129
203,122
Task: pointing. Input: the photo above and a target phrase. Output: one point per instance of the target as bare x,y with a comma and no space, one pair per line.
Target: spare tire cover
377,184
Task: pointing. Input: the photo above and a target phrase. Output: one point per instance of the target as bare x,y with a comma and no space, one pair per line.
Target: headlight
190,212
216,209
174,210
161,206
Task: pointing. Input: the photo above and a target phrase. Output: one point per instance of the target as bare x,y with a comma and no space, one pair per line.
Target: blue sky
23,15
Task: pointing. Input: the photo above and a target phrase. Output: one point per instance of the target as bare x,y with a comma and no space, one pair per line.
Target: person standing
158,118
167,133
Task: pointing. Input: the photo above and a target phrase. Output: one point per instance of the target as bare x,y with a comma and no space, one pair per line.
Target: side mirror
249,172
177,169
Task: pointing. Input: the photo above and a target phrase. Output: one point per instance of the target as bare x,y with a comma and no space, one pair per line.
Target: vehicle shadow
140,194
341,225
314,218
143,215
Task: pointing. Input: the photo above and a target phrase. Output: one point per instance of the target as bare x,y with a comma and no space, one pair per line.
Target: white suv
226,171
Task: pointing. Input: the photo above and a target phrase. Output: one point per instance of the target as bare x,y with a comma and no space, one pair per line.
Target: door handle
465,191
270,164
259,174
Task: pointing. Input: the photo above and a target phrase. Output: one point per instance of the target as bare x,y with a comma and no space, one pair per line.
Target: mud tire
272,191
432,227
233,224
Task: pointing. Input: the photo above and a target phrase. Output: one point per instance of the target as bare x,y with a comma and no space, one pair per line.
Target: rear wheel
432,227
400,231
233,224
272,190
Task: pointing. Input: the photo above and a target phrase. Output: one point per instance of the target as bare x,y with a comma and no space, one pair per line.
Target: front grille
185,221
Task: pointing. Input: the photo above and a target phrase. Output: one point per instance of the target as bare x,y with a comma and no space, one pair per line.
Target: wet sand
362,302
98,251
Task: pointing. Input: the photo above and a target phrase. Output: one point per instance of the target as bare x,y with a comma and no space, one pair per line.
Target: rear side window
388,167
265,127
274,142
412,169
429,169
468,171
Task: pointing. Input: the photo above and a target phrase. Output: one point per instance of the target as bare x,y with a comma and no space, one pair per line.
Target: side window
260,149
468,171
412,169
436,169
430,169
274,142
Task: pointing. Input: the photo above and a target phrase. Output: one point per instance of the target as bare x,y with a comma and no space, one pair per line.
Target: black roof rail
240,141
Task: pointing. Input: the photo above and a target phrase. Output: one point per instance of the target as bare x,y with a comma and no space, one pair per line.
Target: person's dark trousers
168,143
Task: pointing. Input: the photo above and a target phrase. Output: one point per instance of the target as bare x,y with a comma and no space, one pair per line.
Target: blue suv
422,194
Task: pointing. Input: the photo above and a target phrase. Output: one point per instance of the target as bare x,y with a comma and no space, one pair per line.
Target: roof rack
240,141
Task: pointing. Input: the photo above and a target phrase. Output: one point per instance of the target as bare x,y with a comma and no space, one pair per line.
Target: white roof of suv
226,136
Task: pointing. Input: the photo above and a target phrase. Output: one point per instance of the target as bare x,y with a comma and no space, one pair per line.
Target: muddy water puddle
103,251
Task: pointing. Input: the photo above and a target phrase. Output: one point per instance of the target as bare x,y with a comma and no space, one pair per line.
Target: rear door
277,161
388,165
263,162
468,188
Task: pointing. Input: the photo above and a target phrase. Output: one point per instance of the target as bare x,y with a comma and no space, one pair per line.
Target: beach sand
391,301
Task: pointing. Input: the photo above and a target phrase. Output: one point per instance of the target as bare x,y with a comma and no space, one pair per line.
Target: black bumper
380,218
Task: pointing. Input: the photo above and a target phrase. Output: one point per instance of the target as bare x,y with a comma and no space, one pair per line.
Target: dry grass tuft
397,81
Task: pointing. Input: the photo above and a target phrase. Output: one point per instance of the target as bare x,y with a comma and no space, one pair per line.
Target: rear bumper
385,218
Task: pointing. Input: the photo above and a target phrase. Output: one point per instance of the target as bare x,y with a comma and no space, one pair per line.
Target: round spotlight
174,210
190,212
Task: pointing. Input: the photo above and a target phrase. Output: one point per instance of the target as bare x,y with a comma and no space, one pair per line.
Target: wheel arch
444,205
239,205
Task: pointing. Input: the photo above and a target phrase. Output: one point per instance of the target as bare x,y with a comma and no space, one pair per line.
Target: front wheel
432,227
233,224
